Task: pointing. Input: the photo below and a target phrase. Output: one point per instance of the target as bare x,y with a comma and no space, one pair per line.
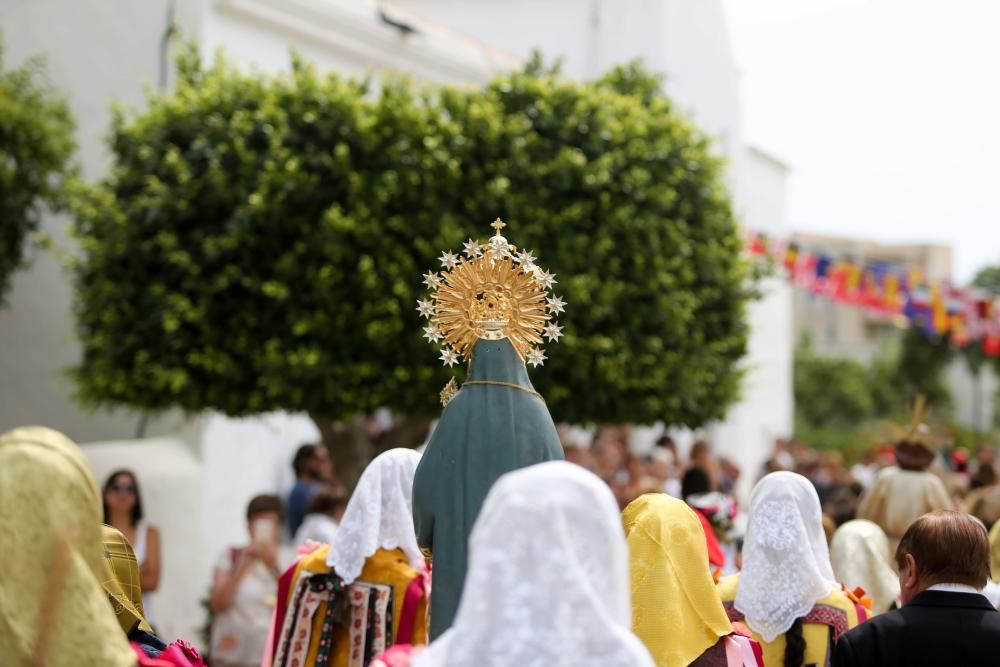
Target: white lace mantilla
547,583
786,562
379,515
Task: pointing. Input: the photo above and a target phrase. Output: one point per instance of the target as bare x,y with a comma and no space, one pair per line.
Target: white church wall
96,53
349,36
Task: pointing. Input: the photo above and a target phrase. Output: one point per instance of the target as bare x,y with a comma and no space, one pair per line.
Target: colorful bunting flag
964,315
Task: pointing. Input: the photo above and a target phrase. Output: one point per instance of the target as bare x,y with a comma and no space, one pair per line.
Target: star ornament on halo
525,258
432,280
499,247
449,260
556,304
553,332
536,357
426,308
545,279
449,357
433,334
472,249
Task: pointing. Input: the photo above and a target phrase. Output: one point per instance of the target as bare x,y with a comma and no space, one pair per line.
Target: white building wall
973,397
686,40
766,408
98,52
348,36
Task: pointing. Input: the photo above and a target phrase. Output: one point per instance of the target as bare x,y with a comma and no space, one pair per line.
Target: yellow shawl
676,609
53,610
995,552
120,578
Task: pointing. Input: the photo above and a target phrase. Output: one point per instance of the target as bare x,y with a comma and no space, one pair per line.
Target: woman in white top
123,510
548,580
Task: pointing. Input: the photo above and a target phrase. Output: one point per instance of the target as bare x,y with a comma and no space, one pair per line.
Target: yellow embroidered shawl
676,609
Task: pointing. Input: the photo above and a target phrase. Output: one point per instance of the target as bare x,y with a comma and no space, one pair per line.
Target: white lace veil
547,582
786,562
860,554
379,515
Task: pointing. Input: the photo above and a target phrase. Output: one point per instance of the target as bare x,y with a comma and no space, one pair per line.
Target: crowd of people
611,559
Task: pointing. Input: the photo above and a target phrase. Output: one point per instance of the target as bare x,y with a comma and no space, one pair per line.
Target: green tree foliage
921,365
838,400
36,147
833,398
988,278
260,241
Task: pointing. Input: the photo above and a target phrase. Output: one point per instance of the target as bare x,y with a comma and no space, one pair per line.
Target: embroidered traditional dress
676,609
386,605
343,605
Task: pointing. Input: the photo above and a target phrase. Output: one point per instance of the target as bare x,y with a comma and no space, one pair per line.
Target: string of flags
966,316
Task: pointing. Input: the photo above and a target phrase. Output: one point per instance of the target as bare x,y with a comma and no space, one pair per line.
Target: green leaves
260,243
36,147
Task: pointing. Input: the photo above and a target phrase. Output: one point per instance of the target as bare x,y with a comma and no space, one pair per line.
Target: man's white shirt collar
954,588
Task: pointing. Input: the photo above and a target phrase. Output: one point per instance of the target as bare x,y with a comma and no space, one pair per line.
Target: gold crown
494,292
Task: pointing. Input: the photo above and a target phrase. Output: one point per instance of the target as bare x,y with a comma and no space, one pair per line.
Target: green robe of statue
485,431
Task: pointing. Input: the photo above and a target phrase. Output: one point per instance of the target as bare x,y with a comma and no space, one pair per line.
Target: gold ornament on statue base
494,292
449,392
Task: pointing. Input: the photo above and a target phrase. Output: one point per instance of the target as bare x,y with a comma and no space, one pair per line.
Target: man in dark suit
944,562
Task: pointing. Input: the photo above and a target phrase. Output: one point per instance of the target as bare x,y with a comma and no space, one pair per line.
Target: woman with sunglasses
123,510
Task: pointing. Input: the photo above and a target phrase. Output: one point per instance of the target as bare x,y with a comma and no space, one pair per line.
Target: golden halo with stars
491,293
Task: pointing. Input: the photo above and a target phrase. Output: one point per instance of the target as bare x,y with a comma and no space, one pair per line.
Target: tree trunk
352,448
406,431
349,445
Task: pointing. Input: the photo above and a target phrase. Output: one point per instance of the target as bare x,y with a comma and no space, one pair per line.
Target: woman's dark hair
695,482
265,503
303,455
136,514
326,501
795,645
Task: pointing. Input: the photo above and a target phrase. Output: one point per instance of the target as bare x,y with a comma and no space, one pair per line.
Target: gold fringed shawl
53,611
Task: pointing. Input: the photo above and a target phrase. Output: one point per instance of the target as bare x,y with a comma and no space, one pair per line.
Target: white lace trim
379,515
